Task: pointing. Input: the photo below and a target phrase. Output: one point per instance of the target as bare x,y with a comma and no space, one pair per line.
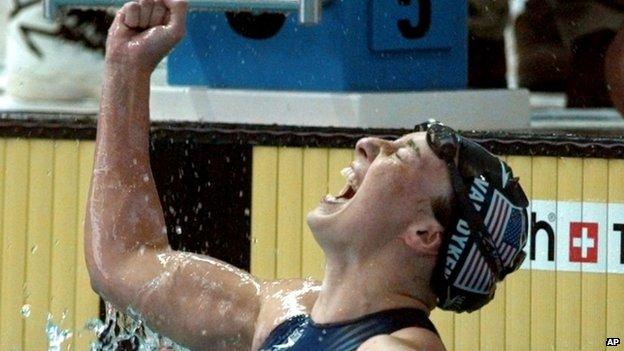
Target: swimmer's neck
352,291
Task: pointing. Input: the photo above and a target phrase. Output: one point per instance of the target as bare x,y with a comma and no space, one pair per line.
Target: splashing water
56,335
120,329
118,332
25,311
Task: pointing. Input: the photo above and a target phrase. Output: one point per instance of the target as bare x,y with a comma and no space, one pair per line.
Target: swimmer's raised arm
198,301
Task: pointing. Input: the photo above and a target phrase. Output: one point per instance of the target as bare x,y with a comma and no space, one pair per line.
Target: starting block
358,46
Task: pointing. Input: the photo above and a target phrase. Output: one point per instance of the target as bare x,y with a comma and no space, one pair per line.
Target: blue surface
357,47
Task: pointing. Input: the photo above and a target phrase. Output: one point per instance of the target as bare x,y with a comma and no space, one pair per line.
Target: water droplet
134,161
178,229
25,311
56,242
34,249
145,178
56,335
247,212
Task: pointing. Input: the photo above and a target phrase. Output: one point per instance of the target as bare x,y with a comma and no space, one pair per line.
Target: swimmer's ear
424,237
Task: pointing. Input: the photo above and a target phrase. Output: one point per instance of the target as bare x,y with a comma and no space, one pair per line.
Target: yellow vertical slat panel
615,282
87,301
543,286
2,231
467,331
568,301
518,284
289,190
14,243
64,234
338,159
492,327
594,285
314,188
39,241
263,212
444,322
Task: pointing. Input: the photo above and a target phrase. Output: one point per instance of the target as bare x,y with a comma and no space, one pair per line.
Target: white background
609,241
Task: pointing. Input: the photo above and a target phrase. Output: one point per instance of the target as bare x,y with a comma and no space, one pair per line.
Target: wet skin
380,245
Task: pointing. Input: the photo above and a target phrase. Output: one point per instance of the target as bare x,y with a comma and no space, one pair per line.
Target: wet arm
124,215
196,300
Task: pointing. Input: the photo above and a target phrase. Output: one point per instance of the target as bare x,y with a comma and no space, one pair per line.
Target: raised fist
144,32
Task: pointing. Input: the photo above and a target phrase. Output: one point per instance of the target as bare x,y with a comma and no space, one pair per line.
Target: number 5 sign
418,24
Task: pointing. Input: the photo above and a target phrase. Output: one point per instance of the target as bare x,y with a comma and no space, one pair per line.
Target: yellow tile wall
43,189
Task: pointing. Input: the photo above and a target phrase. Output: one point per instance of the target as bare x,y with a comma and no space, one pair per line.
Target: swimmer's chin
324,215
329,206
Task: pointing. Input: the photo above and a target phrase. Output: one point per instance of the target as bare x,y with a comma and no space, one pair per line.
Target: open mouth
349,190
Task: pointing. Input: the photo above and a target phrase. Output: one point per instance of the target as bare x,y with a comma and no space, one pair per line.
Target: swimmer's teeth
349,176
345,172
352,182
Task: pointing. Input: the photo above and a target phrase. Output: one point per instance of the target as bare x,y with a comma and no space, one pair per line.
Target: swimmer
429,219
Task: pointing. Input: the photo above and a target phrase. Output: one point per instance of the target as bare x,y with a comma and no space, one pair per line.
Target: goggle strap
484,241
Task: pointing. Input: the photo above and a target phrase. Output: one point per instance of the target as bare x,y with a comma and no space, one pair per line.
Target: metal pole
310,12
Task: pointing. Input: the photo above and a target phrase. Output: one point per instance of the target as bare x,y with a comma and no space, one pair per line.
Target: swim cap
486,239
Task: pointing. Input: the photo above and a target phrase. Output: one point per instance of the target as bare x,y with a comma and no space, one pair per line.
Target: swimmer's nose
368,148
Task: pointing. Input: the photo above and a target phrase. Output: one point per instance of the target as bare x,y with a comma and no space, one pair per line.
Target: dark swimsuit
300,333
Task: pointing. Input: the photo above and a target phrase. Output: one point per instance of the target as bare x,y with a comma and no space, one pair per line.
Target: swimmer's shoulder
281,300
406,339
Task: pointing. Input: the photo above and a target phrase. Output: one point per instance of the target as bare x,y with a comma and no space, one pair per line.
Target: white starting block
464,110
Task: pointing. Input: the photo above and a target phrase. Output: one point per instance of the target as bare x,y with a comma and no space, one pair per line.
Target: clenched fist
144,32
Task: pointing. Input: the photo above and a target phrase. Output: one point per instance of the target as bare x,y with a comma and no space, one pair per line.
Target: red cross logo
583,242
